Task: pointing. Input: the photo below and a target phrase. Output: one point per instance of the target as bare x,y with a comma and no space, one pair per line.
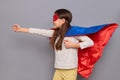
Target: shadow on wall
80,77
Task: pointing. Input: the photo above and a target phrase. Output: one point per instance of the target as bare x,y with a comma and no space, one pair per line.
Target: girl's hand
16,28
69,44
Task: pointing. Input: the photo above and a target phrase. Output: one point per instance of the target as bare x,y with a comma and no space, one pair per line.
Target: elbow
84,45
91,43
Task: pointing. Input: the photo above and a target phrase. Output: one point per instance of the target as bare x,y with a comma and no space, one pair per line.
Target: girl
66,48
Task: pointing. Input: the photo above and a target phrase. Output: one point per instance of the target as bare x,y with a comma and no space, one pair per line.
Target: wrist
21,30
75,45
24,30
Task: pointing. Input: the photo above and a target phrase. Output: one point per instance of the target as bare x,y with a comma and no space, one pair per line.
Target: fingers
66,41
16,27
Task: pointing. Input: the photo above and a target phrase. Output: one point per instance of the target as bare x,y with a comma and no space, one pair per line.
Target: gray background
30,57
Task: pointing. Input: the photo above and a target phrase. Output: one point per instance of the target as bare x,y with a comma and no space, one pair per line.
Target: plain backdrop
26,56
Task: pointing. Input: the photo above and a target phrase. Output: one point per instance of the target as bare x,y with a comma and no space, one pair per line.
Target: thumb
66,40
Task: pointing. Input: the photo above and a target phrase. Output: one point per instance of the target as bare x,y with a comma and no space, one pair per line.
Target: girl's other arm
85,42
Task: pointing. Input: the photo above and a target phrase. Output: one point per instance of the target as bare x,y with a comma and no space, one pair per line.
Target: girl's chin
55,27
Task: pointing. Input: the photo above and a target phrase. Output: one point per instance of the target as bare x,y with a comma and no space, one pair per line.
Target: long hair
59,33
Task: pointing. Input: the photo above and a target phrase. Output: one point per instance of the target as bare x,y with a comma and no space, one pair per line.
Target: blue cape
77,30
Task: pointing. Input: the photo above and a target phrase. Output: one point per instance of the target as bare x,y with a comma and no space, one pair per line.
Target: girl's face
57,22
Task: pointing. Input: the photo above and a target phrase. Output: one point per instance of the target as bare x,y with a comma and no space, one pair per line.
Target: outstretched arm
42,32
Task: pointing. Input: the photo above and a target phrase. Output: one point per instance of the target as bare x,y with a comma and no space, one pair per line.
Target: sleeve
85,41
42,32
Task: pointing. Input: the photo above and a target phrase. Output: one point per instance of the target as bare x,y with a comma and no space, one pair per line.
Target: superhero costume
87,57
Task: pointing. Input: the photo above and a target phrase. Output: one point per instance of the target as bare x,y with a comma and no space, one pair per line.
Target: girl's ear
63,20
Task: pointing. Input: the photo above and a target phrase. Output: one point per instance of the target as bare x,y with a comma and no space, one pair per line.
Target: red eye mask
55,17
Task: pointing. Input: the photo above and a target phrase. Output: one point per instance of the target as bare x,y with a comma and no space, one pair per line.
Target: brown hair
60,32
